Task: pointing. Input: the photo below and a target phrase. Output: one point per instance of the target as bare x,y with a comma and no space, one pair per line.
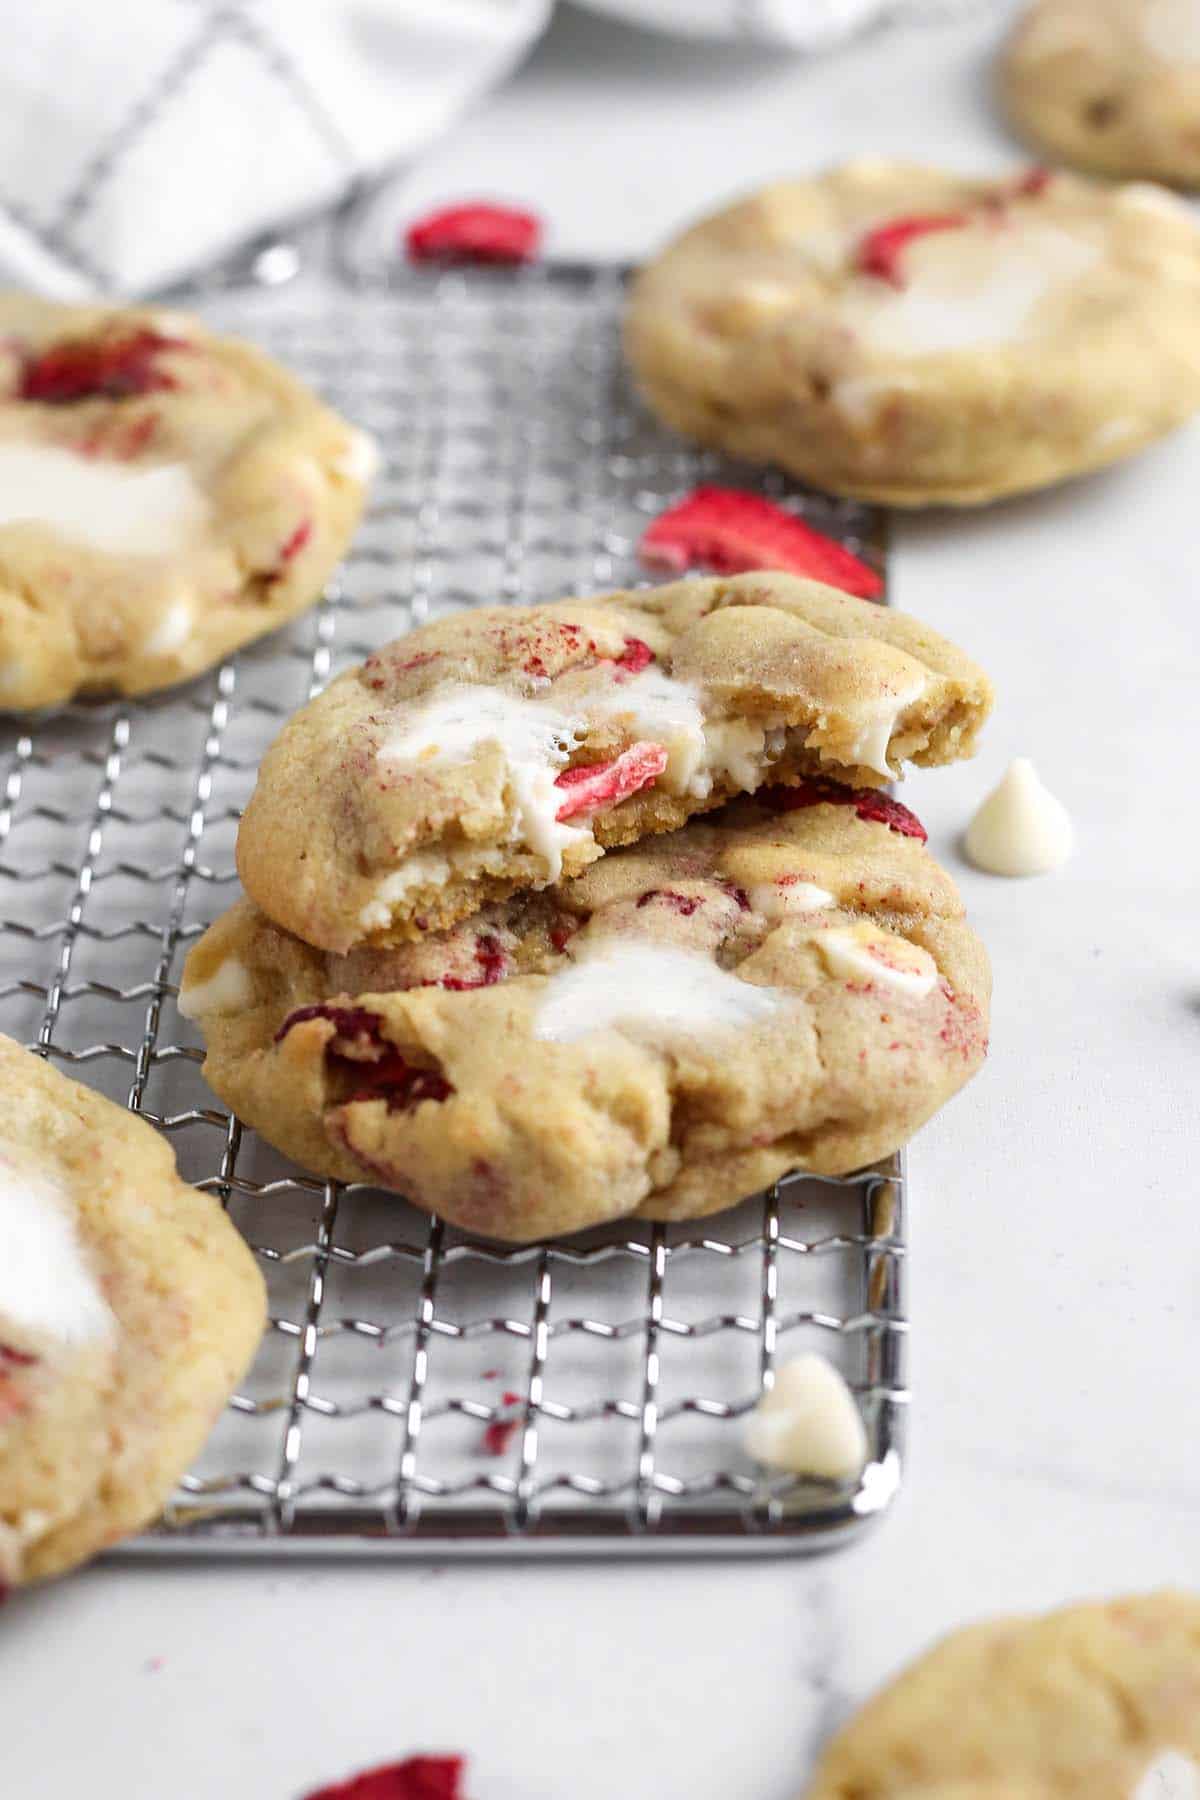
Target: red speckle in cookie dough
684,904
868,803
99,369
1034,182
474,232
18,1359
417,1778
492,960
562,933
593,786
880,250
349,1022
497,1434
731,531
296,542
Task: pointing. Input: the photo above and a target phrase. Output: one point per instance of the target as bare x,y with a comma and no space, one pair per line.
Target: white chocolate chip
1171,1776
809,1423
1020,828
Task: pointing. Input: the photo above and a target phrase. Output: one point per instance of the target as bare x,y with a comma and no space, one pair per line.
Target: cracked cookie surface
165,496
129,1308
1095,1702
509,747
791,984
1109,85
905,335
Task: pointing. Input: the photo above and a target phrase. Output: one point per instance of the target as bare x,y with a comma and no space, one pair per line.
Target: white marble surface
1056,1260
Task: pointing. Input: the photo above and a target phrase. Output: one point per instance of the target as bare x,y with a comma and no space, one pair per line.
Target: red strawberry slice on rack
114,368
416,1778
475,232
731,531
880,250
594,786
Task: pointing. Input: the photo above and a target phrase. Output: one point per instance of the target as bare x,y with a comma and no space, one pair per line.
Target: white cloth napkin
142,139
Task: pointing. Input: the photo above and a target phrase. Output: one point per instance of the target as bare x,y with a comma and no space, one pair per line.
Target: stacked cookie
492,958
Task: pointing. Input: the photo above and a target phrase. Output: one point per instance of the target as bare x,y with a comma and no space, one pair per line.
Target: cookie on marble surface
789,985
129,1309
507,747
914,337
1109,85
165,495
1096,1702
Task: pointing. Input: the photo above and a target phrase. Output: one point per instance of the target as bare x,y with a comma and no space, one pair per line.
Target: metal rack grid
419,1390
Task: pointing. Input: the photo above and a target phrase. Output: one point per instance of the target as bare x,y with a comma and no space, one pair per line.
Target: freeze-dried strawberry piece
475,232
868,803
17,1359
880,250
353,1024
497,1432
597,785
635,657
360,1051
99,369
731,531
417,1778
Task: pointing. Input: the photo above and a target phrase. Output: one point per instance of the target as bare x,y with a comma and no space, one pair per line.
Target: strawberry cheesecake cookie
789,985
129,1308
509,747
1097,1702
165,495
914,337
1109,85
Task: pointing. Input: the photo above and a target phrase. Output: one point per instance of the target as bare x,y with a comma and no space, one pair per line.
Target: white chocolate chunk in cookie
864,952
968,287
105,505
46,1283
808,1423
1171,1776
659,992
171,631
361,458
227,990
786,897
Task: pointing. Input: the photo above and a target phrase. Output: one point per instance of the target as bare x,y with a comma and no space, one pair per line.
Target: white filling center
651,989
107,506
877,722
965,288
1171,1776
46,1284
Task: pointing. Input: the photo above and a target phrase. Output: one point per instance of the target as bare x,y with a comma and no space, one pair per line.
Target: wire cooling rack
419,1390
